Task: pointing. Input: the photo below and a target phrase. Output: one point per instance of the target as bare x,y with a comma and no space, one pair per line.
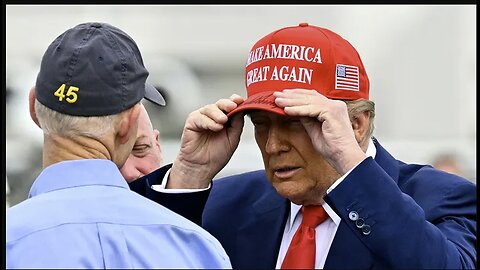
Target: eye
257,123
294,123
257,120
140,149
260,124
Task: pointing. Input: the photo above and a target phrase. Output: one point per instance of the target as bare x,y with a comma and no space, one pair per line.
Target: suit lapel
259,238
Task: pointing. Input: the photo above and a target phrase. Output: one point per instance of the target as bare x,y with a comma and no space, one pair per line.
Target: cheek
317,167
146,167
261,147
148,164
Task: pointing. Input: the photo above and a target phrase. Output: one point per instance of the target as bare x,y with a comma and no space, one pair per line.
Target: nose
129,171
276,143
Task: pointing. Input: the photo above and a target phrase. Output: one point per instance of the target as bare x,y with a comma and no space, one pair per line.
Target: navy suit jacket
418,217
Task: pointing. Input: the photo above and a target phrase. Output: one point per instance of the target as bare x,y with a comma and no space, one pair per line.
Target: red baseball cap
303,56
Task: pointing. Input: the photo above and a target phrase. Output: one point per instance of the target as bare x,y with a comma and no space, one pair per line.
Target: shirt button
360,223
353,215
366,229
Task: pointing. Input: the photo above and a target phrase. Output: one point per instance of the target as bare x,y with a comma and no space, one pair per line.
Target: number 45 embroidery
70,97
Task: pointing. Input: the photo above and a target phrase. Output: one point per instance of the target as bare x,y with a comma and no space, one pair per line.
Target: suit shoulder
425,183
426,174
248,185
257,177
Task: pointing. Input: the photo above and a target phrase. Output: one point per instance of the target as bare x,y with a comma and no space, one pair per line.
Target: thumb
237,122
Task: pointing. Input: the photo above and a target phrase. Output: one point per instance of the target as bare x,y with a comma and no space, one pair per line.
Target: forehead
144,122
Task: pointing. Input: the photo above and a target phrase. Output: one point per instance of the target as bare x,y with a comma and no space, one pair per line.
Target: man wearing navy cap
330,197
80,212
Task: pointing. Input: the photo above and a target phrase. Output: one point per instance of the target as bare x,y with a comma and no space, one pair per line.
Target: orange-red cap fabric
303,56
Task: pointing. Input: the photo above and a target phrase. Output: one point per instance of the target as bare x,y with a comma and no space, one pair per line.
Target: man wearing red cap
330,196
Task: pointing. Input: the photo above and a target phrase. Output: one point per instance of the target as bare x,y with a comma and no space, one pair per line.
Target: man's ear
31,105
156,135
360,125
128,124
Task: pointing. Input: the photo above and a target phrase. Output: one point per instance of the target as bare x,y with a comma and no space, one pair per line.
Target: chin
298,193
291,191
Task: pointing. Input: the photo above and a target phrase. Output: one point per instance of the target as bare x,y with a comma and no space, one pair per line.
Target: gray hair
55,123
359,106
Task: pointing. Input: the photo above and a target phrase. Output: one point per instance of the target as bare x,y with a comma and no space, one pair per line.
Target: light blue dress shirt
82,214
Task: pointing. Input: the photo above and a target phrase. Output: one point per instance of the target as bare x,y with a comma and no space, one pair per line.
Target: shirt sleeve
162,187
339,180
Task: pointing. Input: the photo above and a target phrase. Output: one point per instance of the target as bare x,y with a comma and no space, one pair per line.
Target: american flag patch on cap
347,78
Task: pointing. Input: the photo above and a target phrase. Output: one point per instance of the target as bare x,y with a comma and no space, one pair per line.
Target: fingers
237,99
214,116
229,104
209,117
299,94
296,97
310,103
237,122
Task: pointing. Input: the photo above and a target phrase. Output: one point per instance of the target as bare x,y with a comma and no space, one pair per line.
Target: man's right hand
208,142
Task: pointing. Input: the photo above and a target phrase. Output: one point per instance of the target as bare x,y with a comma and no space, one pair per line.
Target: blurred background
420,59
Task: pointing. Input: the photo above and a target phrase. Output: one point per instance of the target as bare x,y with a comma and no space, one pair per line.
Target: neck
56,149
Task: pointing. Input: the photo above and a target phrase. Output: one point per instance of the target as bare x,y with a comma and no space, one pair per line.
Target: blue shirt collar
75,173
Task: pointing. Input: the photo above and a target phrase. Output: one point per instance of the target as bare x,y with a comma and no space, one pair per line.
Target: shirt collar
371,149
75,173
295,208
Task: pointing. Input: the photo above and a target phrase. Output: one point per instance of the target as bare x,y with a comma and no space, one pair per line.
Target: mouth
285,172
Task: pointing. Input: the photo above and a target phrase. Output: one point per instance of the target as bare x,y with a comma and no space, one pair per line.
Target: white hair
55,123
359,106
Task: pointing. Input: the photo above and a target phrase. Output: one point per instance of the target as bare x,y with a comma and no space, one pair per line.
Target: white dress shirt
325,232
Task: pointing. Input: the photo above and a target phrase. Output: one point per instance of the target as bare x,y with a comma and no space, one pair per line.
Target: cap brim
153,95
261,101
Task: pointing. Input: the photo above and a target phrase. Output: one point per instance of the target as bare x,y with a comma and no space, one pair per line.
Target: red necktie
301,252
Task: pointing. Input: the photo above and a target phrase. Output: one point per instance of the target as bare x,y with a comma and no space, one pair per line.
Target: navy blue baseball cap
93,69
